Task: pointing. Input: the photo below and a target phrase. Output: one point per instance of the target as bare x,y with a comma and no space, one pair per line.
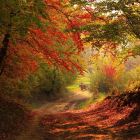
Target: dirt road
64,104
34,130
100,121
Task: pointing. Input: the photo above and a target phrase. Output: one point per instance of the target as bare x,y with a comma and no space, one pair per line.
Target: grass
91,101
81,79
86,80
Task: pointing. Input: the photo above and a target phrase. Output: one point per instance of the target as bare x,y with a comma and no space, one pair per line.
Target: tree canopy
40,29
112,22
33,30
54,33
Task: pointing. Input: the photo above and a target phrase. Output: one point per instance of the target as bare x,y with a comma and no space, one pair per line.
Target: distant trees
109,76
112,24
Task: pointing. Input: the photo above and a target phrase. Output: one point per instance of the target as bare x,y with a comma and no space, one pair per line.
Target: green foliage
107,80
111,23
80,79
134,83
133,86
124,14
131,50
20,16
46,79
51,79
98,82
91,100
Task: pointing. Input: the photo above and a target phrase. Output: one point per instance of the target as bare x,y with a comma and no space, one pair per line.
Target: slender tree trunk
4,51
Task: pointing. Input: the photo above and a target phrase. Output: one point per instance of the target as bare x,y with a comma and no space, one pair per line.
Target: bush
109,77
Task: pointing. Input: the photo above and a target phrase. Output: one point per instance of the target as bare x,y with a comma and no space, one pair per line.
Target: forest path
65,103
34,130
59,120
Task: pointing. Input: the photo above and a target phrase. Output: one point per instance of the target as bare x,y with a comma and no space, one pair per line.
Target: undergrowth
11,116
91,100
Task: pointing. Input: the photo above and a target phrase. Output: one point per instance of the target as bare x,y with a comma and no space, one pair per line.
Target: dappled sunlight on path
98,121
65,103
85,93
35,129
104,120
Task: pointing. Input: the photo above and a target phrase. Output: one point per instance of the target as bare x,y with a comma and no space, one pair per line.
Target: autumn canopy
49,31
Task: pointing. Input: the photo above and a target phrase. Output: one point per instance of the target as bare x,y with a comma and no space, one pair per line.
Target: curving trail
64,104
104,120
34,130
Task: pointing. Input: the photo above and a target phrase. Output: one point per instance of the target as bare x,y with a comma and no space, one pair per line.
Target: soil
114,118
33,130
64,103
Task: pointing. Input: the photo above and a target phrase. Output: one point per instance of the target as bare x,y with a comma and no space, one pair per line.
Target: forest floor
104,120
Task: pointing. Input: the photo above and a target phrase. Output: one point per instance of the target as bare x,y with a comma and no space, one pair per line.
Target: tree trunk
4,51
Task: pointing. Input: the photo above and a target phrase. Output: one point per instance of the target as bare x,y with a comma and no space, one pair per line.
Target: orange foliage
97,120
21,60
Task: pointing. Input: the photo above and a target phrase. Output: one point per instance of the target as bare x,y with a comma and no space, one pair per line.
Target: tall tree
36,29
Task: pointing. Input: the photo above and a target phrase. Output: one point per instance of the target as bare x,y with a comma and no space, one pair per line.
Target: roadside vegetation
85,79
46,47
